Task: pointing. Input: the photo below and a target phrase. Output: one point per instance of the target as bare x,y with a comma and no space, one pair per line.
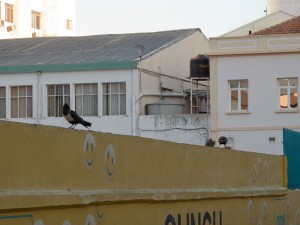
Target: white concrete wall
114,124
189,129
175,60
252,131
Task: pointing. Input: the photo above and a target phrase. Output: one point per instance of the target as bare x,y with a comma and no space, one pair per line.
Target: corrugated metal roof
287,27
110,48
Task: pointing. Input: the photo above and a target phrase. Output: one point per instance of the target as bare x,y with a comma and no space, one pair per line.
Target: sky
213,17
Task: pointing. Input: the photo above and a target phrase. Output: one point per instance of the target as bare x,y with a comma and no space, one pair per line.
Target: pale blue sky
213,17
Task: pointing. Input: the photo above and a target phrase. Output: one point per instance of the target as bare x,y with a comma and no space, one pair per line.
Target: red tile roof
287,27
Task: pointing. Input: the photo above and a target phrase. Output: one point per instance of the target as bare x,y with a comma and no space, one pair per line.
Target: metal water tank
164,107
199,66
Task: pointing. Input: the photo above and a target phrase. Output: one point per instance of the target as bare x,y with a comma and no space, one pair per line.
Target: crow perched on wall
73,118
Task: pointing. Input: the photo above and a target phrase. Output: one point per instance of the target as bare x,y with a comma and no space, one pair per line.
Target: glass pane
283,98
294,98
123,104
105,88
94,89
78,89
86,89
94,105
244,100
86,105
50,89
244,83
58,106
14,91
106,105
234,84
29,107
294,82
2,92
114,105
67,89
51,106
22,107
66,99
29,91
234,100
59,89
78,104
22,91
123,87
14,108
114,88
2,108
283,82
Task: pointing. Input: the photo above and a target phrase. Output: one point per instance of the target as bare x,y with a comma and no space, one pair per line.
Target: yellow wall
53,175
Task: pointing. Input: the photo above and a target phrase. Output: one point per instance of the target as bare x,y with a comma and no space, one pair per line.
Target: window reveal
114,98
21,101
238,95
288,93
86,99
57,96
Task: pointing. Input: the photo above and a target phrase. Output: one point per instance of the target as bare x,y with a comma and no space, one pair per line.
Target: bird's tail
87,124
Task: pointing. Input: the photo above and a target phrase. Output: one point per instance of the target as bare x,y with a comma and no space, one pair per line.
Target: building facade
255,86
104,80
33,18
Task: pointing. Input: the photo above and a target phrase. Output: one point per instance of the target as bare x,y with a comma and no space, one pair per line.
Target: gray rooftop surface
86,49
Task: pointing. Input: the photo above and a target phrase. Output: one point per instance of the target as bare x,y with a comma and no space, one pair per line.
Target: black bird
73,118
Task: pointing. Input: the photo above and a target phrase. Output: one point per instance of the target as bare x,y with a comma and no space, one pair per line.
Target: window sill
237,112
287,111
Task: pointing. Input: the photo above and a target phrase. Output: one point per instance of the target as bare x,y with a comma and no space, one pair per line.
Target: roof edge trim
69,67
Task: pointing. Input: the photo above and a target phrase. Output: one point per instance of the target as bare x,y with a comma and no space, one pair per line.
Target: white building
36,18
106,81
255,86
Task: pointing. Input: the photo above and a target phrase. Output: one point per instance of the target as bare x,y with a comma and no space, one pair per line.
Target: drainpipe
38,108
134,98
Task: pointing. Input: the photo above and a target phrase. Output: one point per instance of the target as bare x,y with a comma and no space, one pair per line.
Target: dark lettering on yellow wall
208,218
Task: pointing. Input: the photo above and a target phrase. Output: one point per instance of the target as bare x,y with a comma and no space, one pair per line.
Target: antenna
139,49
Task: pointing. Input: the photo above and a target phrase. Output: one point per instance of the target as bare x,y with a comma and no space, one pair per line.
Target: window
21,101
58,95
2,102
238,95
114,98
35,19
9,13
69,25
86,99
288,93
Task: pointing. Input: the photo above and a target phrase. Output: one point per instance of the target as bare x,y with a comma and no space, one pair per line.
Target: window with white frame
238,92
86,99
114,98
9,13
21,101
57,96
35,19
288,93
2,102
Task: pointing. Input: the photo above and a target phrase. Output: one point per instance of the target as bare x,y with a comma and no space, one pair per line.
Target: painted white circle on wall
110,161
39,222
90,220
66,222
89,150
